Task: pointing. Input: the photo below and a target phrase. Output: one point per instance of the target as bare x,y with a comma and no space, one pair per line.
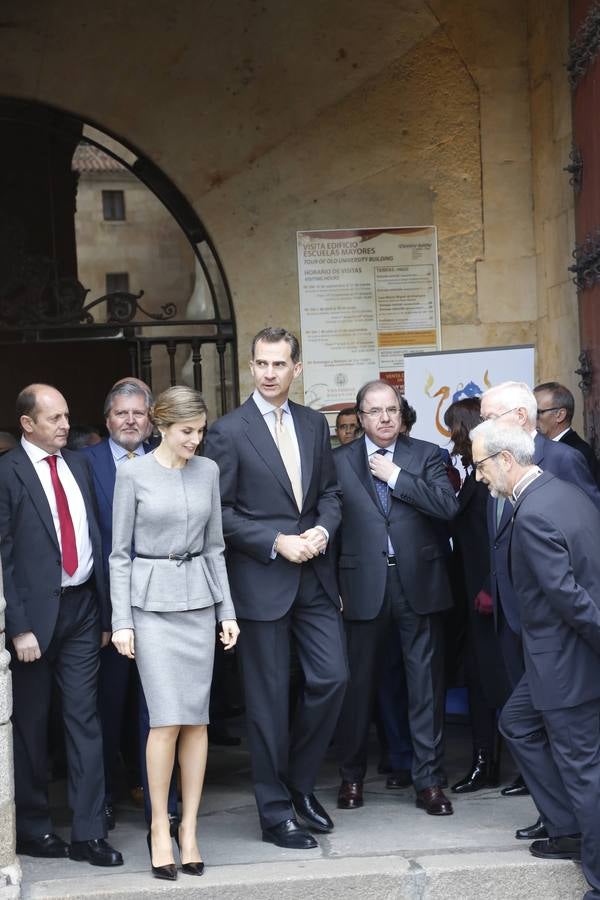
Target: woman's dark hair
461,417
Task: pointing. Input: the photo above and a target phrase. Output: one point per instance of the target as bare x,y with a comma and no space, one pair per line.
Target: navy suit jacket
572,439
565,463
104,473
258,503
31,556
422,495
555,569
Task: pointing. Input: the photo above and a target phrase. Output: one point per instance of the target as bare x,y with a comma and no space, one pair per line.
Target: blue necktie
383,491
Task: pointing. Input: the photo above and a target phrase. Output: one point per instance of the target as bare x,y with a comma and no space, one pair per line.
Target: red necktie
67,532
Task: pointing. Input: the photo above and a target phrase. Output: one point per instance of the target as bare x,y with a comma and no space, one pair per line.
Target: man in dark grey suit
392,574
513,403
556,407
281,509
56,610
552,719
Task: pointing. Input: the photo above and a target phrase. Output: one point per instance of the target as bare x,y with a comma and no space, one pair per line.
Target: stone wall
279,116
10,872
553,207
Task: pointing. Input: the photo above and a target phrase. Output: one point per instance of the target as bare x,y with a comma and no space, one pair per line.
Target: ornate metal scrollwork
586,268
584,47
575,168
586,372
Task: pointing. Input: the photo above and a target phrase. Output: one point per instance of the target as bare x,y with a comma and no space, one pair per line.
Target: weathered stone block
506,290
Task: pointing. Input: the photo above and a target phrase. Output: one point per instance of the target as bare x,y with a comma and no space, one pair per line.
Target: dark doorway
105,269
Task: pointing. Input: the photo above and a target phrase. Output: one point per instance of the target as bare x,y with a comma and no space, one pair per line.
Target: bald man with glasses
514,403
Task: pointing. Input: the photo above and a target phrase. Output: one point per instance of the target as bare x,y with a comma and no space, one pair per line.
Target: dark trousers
285,757
422,649
392,701
72,658
558,752
113,689
482,715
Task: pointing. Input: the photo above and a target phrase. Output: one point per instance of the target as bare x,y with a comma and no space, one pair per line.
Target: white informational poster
366,297
435,380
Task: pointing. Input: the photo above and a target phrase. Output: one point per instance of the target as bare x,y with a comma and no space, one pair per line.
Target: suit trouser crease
280,762
421,642
558,752
73,659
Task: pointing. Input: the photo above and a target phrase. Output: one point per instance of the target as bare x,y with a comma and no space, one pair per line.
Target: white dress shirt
85,562
557,437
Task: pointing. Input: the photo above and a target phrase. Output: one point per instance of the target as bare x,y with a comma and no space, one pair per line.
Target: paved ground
388,849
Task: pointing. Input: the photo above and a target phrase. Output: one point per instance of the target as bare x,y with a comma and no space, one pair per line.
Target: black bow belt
178,557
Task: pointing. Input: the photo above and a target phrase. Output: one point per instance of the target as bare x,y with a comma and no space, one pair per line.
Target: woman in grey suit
165,601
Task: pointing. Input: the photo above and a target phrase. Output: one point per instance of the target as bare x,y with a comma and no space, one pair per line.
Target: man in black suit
556,407
56,618
552,719
281,509
514,404
392,575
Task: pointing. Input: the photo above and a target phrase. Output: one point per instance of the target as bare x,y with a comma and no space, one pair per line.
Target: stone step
484,875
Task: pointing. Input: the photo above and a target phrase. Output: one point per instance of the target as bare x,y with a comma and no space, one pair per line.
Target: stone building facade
274,117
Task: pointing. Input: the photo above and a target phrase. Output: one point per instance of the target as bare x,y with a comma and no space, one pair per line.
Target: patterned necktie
382,488
130,454
285,445
67,532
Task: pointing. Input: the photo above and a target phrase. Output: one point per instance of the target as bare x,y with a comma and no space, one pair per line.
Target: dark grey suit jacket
555,570
31,558
565,463
258,503
422,493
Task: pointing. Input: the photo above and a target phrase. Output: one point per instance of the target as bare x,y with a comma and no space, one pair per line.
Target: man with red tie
56,618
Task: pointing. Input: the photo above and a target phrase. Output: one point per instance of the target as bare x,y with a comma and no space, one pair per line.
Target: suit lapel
359,461
105,471
26,473
257,432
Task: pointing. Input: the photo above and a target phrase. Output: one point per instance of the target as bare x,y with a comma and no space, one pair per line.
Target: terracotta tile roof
88,158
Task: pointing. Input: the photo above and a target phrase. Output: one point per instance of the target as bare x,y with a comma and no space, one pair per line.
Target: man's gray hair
515,394
127,389
495,437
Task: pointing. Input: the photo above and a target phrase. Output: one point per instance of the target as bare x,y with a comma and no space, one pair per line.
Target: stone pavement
388,849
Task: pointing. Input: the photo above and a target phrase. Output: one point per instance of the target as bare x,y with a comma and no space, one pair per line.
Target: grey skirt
174,652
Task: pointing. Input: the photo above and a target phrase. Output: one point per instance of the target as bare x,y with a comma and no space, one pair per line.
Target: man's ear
297,369
26,423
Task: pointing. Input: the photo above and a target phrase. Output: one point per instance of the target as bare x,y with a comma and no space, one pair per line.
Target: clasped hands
299,548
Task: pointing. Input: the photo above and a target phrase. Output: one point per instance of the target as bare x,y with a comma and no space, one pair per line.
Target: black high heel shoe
169,872
190,868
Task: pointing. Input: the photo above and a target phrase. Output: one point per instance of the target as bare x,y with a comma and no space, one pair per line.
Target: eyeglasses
541,412
390,411
346,427
480,462
492,416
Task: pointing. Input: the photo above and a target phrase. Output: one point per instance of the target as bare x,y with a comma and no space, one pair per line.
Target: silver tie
285,445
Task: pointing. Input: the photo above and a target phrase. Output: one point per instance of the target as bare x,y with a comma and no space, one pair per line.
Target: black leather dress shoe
289,835
400,779
533,833
97,852
310,811
483,773
567,847
517,789
47,846
109,815
434,801
350,795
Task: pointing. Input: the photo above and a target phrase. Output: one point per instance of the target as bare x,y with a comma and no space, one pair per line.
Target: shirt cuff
326,533
393,478
273,550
